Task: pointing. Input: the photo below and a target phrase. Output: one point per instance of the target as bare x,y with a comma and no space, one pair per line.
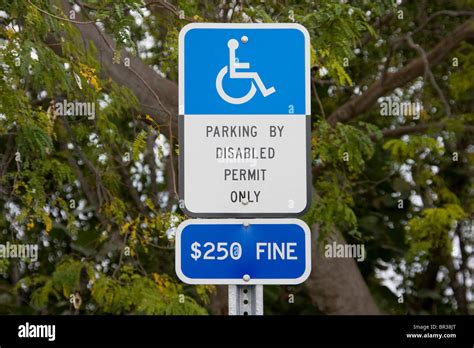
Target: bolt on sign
244,105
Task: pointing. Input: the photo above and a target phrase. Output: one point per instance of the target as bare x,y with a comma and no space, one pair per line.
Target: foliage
461,79
345,149
416,145
130,293
81,188
431,230
336,27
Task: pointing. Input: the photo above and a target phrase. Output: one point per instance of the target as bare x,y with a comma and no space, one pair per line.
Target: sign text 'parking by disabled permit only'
244,104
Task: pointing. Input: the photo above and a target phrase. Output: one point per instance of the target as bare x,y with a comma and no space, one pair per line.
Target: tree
88,132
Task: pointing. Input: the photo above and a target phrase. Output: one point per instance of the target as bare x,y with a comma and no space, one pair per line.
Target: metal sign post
245,152
245,299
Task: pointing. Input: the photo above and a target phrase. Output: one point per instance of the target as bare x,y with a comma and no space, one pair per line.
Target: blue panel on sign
244,69
263,253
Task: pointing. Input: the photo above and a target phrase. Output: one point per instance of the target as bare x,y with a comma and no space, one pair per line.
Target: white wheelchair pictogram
233,65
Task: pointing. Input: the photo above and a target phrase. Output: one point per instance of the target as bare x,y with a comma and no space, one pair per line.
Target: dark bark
157,96
219,301
415,68
336,285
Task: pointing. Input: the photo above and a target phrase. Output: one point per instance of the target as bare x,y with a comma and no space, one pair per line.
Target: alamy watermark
20,251
388,107
342,250
75,108
28,330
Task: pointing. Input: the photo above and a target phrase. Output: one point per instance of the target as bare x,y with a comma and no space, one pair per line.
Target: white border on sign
191,26
199,213
235,281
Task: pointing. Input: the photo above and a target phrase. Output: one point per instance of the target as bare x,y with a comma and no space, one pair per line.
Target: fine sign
244,102
234,251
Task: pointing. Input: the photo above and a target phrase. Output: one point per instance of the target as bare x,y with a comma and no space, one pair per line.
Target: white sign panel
245,164
244,120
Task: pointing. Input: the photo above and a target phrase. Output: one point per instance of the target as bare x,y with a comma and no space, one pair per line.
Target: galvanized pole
245,299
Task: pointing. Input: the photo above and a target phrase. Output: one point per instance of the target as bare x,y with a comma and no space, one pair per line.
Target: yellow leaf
48,223
30,225
10,33
89,74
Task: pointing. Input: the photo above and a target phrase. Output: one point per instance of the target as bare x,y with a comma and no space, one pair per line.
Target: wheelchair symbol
233,65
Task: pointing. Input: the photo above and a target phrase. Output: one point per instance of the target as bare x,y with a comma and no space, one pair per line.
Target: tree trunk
335,284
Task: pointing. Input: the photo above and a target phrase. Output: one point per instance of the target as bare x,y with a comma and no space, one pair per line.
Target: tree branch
415,68
125,175
428,72
380,22
150,159
157,95
336,285
419,128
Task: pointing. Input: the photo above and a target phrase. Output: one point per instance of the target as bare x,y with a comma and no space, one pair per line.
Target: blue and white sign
244,69
244,105
233,251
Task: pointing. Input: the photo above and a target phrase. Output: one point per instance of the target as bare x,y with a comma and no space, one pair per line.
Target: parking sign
244,101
